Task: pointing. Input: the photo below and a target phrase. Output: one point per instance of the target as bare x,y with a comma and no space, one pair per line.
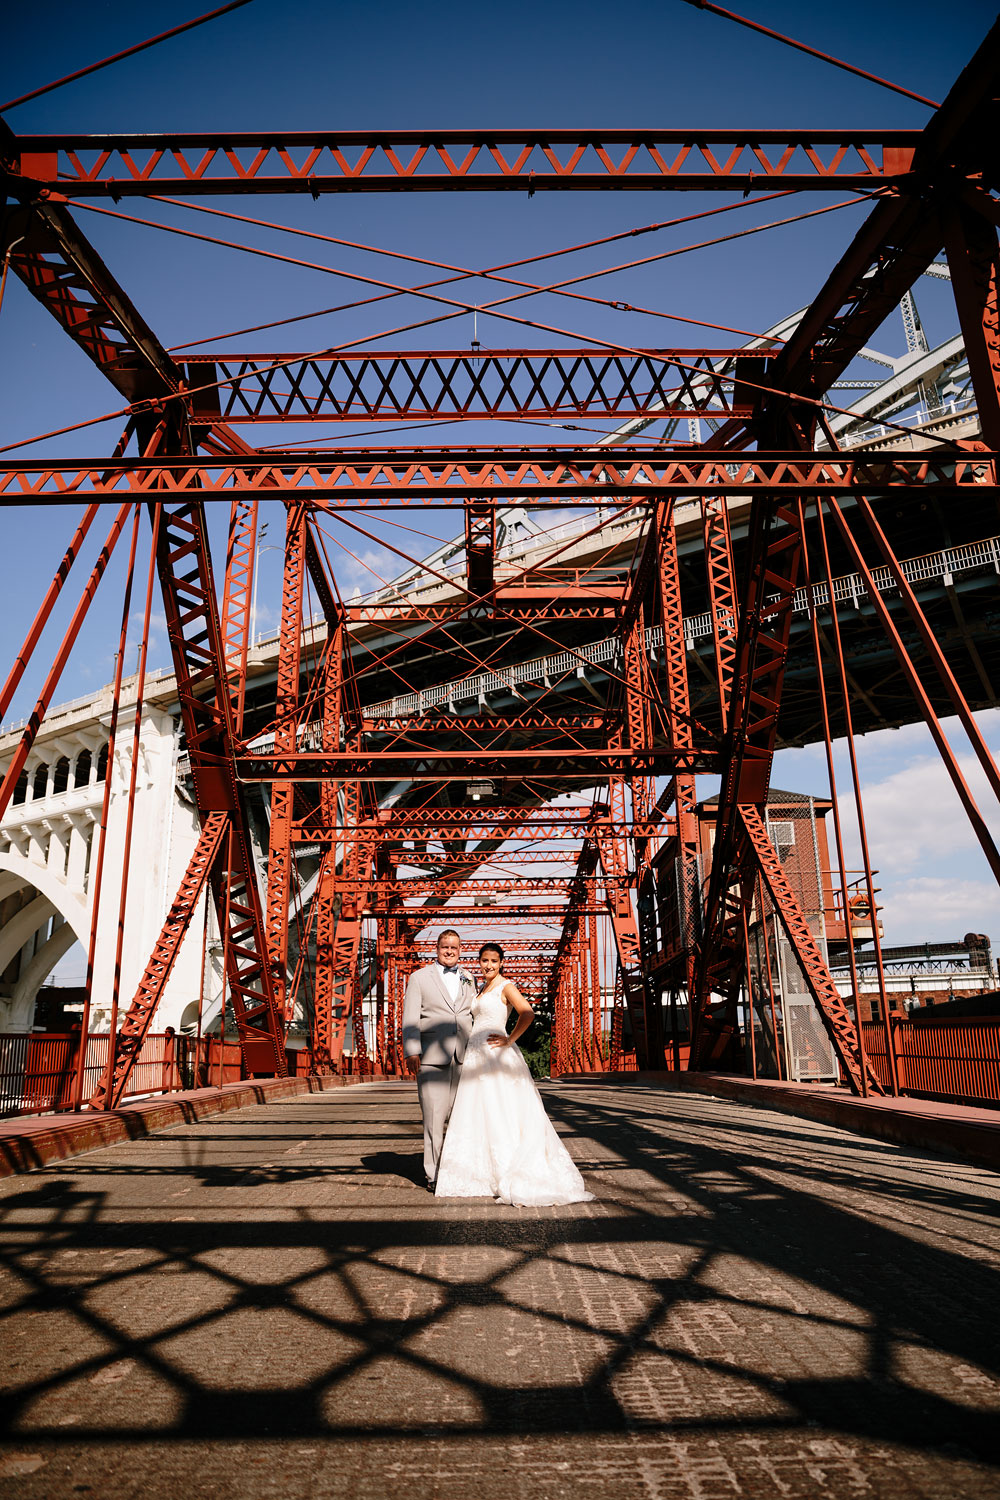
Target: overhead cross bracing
743,488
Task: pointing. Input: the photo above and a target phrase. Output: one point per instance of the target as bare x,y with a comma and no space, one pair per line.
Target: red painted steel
954,1058
237,597
134,1030
198,163
835,1016
20,756
44,610
440,385
569,478
621,914
38,1069
184,566
279,855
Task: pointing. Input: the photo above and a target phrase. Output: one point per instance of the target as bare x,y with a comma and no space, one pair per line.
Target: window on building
60,780
40,782
84,761
90,850
102,764
782,832
21,787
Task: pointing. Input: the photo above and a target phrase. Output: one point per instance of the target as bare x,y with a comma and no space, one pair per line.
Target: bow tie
450,969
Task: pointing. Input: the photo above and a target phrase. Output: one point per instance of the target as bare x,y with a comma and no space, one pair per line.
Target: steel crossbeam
460,764
566,478
196,163
440,385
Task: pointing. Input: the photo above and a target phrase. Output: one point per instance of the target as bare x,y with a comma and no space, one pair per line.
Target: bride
500,1142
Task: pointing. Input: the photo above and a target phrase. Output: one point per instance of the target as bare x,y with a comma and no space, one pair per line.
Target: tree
536,1045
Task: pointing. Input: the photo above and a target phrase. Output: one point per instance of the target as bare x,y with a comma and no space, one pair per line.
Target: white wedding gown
500,1142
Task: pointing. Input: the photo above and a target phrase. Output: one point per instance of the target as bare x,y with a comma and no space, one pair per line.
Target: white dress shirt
451,982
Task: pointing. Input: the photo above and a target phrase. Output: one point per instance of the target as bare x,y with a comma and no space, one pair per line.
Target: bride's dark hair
492,948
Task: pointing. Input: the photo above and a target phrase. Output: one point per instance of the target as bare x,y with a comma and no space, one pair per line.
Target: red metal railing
954,1058
37,1069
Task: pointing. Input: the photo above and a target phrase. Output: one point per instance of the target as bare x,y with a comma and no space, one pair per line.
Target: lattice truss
508,735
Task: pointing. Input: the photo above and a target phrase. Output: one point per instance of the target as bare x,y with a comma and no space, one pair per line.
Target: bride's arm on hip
524,1012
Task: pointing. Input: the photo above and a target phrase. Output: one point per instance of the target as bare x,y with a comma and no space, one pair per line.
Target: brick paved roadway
269,1304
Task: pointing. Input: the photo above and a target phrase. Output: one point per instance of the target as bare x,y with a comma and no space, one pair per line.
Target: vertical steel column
645,1017
775,550
287,695
237,600
100,833
721,593
837,825
322,1042
593,959
858,807
974,262
189,600
678,704
126,857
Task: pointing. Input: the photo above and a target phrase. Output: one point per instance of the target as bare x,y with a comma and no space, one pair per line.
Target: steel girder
196,163
567,479
440,385
287,695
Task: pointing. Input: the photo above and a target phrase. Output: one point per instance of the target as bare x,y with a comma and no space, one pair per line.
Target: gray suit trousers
436,1090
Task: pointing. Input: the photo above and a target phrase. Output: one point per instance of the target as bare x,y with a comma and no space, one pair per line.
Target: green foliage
536,1045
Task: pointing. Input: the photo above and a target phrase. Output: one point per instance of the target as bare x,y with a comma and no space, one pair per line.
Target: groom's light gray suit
436,1029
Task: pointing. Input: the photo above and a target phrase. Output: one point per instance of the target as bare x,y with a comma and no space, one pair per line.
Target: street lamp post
253,582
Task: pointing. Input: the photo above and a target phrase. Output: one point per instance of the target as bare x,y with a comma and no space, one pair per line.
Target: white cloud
934,908
367,570
914,817
935,883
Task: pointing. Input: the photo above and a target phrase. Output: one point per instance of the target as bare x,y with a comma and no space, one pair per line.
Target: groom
437,1019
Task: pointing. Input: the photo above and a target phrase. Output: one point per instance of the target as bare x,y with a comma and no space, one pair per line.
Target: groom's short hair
448,932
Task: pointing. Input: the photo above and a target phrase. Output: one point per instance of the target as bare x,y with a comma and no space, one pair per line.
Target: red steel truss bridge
508,735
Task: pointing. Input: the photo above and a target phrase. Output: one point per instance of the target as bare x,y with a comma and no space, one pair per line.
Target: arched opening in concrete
41,919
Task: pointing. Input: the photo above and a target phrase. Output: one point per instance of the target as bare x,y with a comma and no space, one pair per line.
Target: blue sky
311,66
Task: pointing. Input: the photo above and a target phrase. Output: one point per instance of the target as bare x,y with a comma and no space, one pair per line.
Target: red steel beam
833,1012
440,385
194,630
567,478
139,1017
287,700
459,765
198,163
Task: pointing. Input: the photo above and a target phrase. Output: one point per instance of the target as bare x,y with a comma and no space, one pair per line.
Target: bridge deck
266,1303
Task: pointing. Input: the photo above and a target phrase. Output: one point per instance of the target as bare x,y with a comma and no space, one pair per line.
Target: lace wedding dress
500,1142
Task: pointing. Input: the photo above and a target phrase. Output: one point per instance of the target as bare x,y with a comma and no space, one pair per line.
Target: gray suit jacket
434,1028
